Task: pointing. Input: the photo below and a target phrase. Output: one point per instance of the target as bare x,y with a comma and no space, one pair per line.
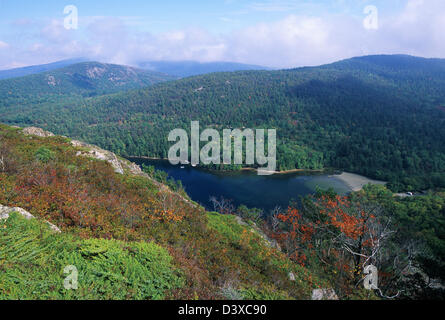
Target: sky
272,33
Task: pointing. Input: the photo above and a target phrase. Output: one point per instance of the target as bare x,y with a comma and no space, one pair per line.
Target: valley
361,115
350,135
207,157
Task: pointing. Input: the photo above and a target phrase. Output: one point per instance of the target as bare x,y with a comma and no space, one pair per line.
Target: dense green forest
381,116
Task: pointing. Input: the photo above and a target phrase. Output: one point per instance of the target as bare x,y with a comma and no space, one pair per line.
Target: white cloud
303,40
294,40
418,29
3,45
289,42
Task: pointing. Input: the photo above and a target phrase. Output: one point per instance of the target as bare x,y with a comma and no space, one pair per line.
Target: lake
248,188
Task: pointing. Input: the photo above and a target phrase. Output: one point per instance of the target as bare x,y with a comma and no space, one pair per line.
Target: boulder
324,294
37,132
6,211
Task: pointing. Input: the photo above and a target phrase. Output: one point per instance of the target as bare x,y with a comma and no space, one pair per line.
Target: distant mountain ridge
397,62
178,69
184,69
25,71
85,79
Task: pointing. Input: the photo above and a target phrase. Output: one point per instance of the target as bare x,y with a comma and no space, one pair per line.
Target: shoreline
310,171
354,181
318,171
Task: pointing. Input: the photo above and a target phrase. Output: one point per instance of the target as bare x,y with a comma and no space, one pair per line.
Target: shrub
44,154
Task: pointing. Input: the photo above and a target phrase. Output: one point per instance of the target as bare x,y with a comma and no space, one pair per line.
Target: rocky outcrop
324,294
37,132
51,81
6,211
100,154
119,165
95,72
92,151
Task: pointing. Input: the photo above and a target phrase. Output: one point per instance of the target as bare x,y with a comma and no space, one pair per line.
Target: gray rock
324,294
37,132
6,211
100,154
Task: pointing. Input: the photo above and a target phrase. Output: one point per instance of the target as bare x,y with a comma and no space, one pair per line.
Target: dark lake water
246,187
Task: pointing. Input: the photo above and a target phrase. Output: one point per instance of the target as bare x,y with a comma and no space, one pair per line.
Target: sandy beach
356,182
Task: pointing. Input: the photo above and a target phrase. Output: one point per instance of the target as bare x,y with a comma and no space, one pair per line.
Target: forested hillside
381,116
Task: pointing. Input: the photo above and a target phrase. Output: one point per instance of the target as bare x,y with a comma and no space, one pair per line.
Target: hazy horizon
134,65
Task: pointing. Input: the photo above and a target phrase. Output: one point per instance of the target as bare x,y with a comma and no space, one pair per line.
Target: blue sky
275,33
215,15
